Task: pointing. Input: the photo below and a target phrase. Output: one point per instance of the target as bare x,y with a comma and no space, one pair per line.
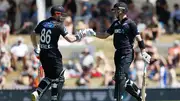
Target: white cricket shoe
34,96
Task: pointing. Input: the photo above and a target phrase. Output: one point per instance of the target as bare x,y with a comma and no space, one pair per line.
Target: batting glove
36,52
146,57
80,34
90,32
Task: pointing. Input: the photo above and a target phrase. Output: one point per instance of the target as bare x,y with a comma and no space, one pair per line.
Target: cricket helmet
59,11
121,7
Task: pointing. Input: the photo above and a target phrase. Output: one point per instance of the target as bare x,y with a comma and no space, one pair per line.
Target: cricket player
124,31
44,39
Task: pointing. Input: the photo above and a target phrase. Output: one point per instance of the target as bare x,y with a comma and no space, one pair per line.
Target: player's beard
120,16
60,18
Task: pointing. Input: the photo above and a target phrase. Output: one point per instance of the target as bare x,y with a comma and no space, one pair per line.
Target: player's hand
36,52
146,57
90,32
80,34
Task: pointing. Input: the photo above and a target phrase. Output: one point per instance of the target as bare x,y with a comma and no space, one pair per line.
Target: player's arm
72,38
35,39
141,45
102,35
140,41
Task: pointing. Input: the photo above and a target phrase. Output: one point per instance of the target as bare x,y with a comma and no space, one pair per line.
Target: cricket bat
144,83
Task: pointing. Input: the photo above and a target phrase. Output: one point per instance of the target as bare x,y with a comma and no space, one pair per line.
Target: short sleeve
111,29
38,29
134,28
63,31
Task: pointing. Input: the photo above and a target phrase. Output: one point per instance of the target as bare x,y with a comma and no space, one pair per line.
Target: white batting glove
146,57
80,34
36,52
90,32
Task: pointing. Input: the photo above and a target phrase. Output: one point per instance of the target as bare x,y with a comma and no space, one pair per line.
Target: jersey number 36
45,36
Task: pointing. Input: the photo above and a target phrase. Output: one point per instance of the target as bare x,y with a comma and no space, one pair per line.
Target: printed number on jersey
45,38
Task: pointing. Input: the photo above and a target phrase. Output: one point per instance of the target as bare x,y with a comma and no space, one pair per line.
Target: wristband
141,44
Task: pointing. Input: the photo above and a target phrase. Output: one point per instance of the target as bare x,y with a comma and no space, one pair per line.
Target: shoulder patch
65,30
48,24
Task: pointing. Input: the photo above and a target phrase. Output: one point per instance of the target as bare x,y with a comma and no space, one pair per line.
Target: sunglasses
118,9
60,13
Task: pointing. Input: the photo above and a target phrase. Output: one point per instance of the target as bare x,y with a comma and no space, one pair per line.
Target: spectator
2,79
147,11
94,11
19,52
4,6
69,24
12,15
159,4
4,32
175,15
24,7
164,16
139,65
108,78
86,60
152,50
71,70
70,7
174,55
173,62
104,7
85,11
133,13
27,27
4,66
24,78
132,72
86,63
102,63
154,28
34,65
154,70
5,61
106,15
84,80
81,25
163,73
94,23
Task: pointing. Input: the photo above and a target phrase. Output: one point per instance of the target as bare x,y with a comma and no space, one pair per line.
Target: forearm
140,43
72,38
102,35
34,40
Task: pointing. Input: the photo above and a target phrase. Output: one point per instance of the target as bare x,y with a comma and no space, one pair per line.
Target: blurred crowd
153,20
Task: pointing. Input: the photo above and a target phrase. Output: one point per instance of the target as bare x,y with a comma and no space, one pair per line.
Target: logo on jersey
121,31
65,30
48,25
116,24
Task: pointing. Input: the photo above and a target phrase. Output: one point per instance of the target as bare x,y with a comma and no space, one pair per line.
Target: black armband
141,44
78,36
